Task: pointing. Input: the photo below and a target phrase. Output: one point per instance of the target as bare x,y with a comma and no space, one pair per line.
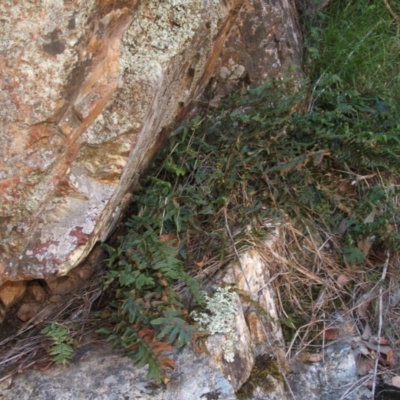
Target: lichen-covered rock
88,90
229,343
256,326
242,319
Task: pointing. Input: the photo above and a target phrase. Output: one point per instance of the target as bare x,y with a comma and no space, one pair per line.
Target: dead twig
354,386
391,12
384,272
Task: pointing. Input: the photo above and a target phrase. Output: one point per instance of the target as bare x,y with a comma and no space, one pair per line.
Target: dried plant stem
392,13
354,386
384,272
26,347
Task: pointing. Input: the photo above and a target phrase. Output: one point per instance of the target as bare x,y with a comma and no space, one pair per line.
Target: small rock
28,311
6,384
37,292
63,284
12,292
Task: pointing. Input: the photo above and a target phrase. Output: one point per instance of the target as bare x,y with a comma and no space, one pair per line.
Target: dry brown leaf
370,348
396,381
201,264
365,245
381,340
390,357
364,301
166,380
309,357
168,236
331,334
362,310
172,238
363,365
43,367
367,332
370,218
387,350
342,280
356,344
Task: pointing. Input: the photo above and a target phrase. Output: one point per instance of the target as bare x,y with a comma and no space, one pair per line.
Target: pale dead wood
278,358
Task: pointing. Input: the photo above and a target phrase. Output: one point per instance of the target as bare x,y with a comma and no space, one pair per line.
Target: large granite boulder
89,90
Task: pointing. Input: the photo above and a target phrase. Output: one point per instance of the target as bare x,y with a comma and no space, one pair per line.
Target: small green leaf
176,169
158,321
183,338
353,255
104,331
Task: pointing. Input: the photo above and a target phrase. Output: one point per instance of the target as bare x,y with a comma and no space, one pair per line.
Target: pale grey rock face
334,378
99,373
105,375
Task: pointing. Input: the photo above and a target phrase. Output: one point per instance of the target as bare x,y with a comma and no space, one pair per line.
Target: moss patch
264,368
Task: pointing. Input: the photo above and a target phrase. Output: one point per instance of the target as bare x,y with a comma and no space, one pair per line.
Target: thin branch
354,386
391,12
384,272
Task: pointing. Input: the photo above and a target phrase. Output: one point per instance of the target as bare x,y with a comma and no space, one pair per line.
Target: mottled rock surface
245,353
103,374
88,91
333,378
264,42
106,375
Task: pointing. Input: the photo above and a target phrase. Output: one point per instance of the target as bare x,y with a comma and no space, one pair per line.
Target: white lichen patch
234,71
159,31
163,37
220,319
